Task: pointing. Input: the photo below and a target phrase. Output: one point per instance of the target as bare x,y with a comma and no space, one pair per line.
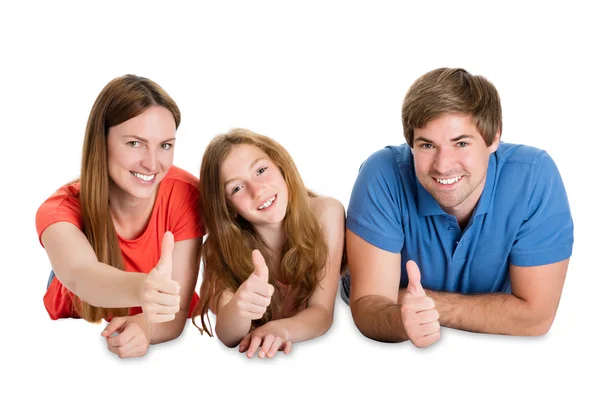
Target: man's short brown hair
452,90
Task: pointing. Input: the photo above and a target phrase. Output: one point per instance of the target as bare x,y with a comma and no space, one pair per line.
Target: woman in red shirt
124,239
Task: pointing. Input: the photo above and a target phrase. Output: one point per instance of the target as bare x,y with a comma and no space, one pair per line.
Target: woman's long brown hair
121,99
227,251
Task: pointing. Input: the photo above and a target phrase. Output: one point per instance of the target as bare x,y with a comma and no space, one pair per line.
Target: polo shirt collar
490,182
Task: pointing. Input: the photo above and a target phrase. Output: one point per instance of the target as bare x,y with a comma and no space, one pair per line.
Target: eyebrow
252,164
139,139
456,139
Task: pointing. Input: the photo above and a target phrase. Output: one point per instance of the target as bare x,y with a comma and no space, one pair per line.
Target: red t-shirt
176,209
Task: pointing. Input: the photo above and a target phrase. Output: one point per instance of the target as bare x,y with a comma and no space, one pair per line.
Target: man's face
451,161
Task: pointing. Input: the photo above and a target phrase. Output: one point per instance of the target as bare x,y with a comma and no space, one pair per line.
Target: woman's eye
134,143
166,146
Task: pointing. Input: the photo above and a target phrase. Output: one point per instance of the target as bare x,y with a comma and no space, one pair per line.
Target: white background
327,80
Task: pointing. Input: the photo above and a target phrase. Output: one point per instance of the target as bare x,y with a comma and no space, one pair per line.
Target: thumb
115,325
260,266
165,264
414,279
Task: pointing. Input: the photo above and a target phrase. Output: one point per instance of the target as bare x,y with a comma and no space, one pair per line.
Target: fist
419,315
160,296
254,295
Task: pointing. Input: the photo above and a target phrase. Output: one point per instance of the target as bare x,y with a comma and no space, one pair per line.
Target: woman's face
140,152
254,185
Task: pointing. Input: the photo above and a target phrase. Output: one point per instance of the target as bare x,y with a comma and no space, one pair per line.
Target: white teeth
267,203
146,178
448,181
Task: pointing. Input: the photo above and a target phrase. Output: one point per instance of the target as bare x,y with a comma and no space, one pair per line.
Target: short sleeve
546,233
186,222
374,210
63,206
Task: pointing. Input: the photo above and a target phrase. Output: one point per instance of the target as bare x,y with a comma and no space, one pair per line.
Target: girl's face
140,152
254,186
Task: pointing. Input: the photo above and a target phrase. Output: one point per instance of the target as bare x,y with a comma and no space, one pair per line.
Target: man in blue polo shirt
456,228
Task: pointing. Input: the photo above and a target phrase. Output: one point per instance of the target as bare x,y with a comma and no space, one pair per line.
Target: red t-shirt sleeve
62,206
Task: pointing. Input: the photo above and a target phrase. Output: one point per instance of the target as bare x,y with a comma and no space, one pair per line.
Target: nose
444,160
256,189
149,161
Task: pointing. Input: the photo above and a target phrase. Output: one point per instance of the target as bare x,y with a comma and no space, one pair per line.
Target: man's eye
462,144
426,146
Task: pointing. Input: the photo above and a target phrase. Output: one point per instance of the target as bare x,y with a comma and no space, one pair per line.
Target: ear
494,146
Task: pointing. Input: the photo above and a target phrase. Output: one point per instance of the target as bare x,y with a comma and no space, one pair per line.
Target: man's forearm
495,313
378,318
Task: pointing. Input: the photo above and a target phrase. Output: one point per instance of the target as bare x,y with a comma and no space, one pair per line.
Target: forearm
495,313
378,318
104,286
309,323
230,327
167,331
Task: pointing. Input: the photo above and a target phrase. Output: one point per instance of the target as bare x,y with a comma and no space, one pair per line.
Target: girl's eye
261,170
166,146
236,189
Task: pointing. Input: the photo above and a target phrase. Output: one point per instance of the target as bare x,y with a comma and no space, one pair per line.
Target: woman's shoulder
325,207
179,176
62,206
68,193
179,183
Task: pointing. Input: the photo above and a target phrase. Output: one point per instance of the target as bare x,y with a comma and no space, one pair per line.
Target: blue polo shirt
522,218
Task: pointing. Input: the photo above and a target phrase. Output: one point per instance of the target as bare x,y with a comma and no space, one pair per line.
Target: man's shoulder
519,154
390,158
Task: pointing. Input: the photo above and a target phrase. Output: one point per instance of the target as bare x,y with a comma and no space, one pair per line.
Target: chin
141,194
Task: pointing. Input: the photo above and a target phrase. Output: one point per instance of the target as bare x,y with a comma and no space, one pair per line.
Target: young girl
124,239
273,254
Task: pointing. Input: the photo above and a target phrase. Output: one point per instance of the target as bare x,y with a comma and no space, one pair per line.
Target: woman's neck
130,215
